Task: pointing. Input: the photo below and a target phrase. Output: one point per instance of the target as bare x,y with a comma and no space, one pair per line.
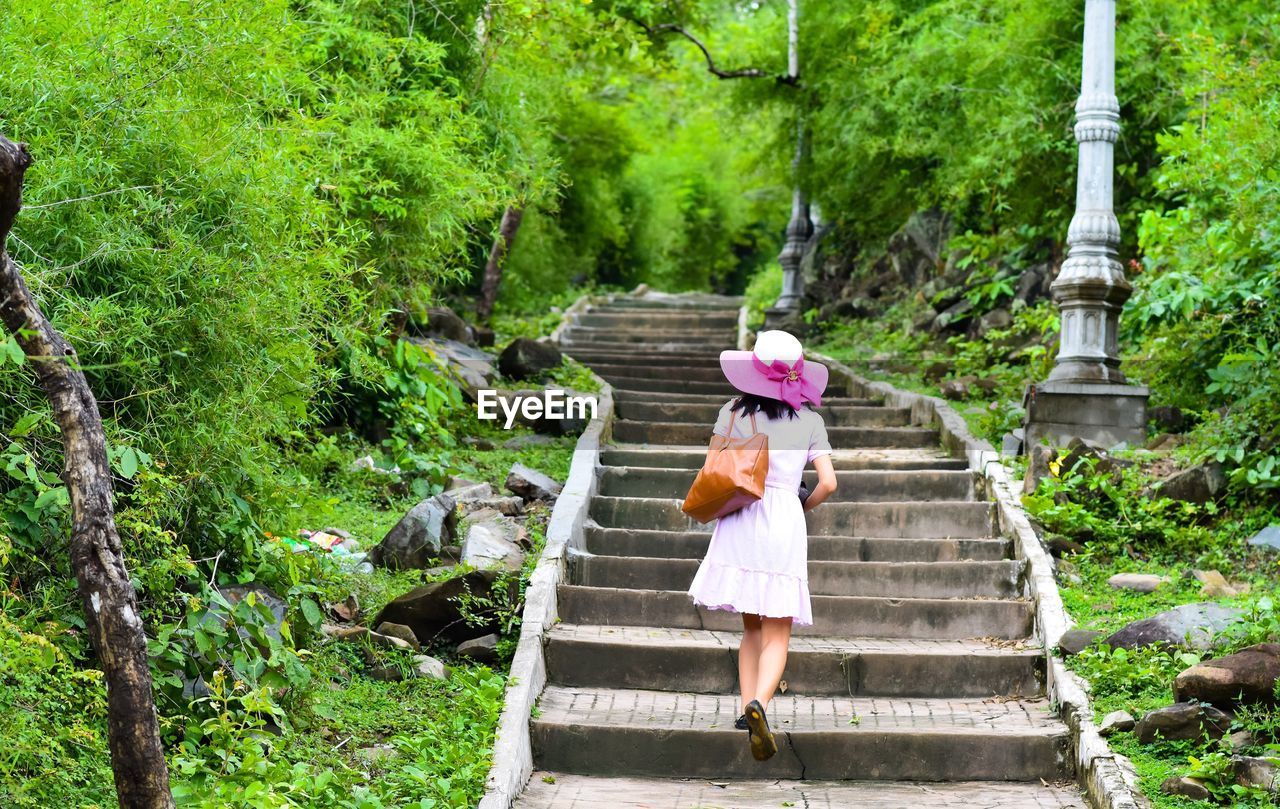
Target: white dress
758,558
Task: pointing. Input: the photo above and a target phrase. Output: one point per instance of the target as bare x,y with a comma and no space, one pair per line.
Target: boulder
1011,443
1032,284
954,317
1075,641
530,484
1241,740
1185,720
994,320
419,537
1060,545
1268,538
1116,722
1199,484
1167,419
469,492
492,541
1185,786
1214,585
428,667
1256,773
472,367
1249,675
1137,582
509,506
524,358
915,250
442,322
526,441
937,371
1192,625
263,597
433,610
956,389
363,634
393,630
483,336
1103,462
481,650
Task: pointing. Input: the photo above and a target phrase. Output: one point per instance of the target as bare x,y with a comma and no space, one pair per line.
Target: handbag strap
733,416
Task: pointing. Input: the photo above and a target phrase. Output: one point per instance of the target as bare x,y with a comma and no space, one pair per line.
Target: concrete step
715,304
691,457
703,358
710,337
660,409
864,485
655,733
557,790
657,319
918,519
832,398
721,389
705,662
914,618
670,432
693,545
996,579
642,370
653,347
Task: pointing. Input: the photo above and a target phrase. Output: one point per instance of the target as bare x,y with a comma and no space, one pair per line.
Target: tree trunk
511,219
110,604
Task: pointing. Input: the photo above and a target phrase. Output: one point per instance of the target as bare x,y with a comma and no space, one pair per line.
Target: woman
757,563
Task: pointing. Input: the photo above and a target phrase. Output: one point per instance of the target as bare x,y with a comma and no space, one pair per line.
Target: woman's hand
826,482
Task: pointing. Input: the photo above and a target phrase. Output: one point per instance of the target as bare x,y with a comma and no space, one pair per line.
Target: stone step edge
1098,772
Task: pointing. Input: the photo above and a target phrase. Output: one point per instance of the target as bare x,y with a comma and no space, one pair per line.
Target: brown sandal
763,745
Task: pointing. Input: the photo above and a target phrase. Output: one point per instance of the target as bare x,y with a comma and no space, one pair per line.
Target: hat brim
742,373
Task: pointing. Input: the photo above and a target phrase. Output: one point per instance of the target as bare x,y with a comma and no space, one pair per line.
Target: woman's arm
826,482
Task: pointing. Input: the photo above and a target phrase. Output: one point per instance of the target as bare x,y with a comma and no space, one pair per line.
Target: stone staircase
919,683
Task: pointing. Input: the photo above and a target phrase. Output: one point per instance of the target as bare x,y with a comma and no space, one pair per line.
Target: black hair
773,409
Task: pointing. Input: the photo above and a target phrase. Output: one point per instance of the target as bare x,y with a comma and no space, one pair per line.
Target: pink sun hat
776,369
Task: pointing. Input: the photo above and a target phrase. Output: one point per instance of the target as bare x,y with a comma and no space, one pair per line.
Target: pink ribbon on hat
793,388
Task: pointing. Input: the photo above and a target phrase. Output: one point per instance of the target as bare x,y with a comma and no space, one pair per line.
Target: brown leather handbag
731,477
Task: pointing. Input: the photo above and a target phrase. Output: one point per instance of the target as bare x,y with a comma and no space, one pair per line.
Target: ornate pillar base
776,316
1102,414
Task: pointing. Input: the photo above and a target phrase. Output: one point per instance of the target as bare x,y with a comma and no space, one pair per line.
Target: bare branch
741,73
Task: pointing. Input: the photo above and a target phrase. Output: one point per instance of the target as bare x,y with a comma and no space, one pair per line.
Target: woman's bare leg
749,657
775,638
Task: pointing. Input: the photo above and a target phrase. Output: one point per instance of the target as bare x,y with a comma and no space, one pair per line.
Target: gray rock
1032,284
1192,625
442,322
1011,443
1256,773
525,441
394,630
434,611
1186,786
530,484
428,667
1075,641
481,650
1184,720
492,541
1116,722
1060,545
1137,582
1167,419
418,538
1241,740
509,506
1268,538
263,598
528,359
470,493
1199,484
955,390
994,320
363,634
473,367
954,316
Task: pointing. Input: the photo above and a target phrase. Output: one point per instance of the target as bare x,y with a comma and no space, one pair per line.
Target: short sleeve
819,445
722,421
